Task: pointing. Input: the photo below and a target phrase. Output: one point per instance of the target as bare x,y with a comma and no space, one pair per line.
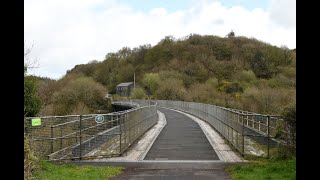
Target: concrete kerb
162,122
156,164
223,151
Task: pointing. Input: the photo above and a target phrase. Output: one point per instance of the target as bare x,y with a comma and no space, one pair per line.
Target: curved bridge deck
180,139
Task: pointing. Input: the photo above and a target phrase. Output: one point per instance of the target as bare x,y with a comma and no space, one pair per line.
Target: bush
31,162
290,72
230,88
247,76
171,89
261,67
151,81
289,117
32,102
288,150
138,93
82,95
281,81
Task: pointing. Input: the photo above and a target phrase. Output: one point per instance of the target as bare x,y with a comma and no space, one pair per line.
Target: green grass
50,171
264,169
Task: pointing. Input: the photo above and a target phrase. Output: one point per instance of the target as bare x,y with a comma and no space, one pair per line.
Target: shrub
289,116
151,81
287,150
171,89
32,102
247,76
31,162
82,95
138,93
230,88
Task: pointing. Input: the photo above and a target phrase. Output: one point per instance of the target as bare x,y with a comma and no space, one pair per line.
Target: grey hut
124,89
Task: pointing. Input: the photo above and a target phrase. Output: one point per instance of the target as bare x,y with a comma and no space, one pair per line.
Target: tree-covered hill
237,72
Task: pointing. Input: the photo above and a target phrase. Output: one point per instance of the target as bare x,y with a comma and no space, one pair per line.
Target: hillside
235,72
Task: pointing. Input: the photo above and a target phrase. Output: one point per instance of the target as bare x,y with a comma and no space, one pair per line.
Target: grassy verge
264,169
72,172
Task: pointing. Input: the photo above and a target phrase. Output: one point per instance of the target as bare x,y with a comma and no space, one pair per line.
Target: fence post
119,120
259,125
247,121
252,122
110,121
52,136
243,136
80,138
60,138
268,119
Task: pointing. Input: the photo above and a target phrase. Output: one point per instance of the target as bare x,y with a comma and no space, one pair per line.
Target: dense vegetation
32,102
235,72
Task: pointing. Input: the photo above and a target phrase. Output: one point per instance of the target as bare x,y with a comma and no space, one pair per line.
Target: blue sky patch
173,5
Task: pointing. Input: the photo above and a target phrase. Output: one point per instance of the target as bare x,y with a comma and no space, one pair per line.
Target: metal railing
91,135
248,132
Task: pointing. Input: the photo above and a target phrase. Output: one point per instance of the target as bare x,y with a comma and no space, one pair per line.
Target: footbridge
157,130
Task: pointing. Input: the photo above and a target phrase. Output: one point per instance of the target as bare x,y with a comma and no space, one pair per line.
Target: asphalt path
181,139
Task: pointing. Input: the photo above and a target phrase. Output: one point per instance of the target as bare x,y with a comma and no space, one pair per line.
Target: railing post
268,119
119,120
111,122
80,138
60,138
252,122
52,136
243,136
247,121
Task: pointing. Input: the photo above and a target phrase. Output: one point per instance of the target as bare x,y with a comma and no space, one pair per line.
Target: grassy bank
265,169
72,172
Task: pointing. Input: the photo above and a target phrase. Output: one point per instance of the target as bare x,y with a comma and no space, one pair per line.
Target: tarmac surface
181,139
162,174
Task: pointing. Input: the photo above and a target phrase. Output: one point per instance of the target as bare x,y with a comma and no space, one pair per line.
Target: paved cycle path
180,139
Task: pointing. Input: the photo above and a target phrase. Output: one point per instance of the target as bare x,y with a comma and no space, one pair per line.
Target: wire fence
248,132
106,135
89,136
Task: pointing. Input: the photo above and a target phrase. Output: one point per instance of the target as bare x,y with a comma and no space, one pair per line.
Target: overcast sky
65,33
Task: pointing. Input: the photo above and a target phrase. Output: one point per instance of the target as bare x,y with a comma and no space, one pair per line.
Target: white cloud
67,33
283,12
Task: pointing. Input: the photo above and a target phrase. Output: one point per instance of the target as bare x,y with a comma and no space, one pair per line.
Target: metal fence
89,136
248,132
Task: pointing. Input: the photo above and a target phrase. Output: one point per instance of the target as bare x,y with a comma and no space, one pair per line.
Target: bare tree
29,62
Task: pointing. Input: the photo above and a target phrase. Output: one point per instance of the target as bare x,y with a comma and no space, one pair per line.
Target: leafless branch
29,62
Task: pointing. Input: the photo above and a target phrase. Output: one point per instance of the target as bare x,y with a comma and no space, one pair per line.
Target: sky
64,33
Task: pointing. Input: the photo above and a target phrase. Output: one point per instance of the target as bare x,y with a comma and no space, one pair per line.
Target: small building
124,89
